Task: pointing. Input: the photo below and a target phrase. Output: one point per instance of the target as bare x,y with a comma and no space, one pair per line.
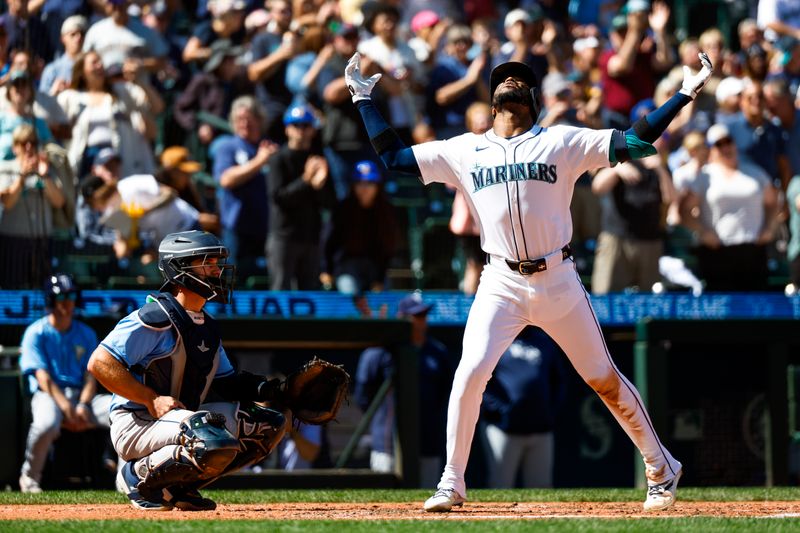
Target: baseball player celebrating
518,180
161,362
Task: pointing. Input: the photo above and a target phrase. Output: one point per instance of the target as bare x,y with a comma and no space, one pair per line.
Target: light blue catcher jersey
63,355
134,344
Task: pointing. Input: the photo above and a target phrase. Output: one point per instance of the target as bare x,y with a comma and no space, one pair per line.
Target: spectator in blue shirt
455,83
55,353
57,75
239,163
519,407
757,139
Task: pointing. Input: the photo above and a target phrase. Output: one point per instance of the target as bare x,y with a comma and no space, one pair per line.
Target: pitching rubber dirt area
405,511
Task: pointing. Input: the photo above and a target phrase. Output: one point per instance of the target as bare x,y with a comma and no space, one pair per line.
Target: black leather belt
532,266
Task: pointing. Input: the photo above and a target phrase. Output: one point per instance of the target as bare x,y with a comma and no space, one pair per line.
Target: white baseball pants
556,301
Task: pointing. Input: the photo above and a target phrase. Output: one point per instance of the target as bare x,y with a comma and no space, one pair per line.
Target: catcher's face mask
209,275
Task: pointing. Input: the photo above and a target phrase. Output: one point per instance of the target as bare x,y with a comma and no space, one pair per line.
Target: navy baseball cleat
443,501
128,482
189,499
662,495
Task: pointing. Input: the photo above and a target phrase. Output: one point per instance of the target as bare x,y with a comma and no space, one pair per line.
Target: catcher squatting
518,180
181,417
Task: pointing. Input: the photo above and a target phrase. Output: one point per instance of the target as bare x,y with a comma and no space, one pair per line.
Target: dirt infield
404,511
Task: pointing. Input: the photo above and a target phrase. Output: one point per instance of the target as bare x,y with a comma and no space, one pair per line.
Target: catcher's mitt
315,392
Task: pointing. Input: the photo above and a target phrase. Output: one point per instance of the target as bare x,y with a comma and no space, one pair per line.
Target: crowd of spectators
124,120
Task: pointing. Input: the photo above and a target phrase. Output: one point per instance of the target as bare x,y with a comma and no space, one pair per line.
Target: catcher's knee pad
205,449
208,443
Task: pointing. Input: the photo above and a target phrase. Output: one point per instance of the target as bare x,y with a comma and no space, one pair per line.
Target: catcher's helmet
175,256
522,71
60,287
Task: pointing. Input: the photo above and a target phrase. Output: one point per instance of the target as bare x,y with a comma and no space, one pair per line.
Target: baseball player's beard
519,95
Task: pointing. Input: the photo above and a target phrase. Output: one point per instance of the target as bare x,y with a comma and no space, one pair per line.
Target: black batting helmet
60,287
522,71
178,251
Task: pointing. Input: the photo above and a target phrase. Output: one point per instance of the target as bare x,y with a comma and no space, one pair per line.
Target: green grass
705,525
444,524
399,495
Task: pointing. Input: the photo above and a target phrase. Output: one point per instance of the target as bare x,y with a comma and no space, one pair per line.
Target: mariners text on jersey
532,170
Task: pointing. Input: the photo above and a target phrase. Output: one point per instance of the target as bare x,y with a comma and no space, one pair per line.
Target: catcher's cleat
443,501
189,499
662,496
127,483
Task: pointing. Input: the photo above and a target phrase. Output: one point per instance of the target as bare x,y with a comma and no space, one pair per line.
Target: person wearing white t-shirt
732,207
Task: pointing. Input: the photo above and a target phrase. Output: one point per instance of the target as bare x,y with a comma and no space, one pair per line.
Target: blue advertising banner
449,308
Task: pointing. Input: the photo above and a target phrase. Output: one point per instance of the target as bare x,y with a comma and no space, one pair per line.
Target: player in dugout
518,179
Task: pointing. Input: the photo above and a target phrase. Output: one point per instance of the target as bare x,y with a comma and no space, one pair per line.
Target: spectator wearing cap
19,96
239,163
299,190
403,74
728,95
344,139
212,90
631,66
428,30
45,106
177,169
106,111
270,51
757,139
360,240
57,75
632,197
29,192
520,409
121,39
104,174
732,207
455,83
523,29
227,22
375,365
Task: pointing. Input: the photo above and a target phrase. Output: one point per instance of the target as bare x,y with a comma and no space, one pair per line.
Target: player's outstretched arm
387,144
636,142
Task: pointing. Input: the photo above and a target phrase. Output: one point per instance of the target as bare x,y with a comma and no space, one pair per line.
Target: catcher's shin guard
206,448
260,431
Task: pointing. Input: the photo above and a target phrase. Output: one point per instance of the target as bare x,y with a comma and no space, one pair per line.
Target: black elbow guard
620,145
645,131
385,140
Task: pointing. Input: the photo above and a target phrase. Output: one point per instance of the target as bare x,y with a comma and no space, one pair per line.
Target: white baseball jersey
519,189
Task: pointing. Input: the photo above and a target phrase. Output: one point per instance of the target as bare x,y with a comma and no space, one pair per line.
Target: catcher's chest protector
187,371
